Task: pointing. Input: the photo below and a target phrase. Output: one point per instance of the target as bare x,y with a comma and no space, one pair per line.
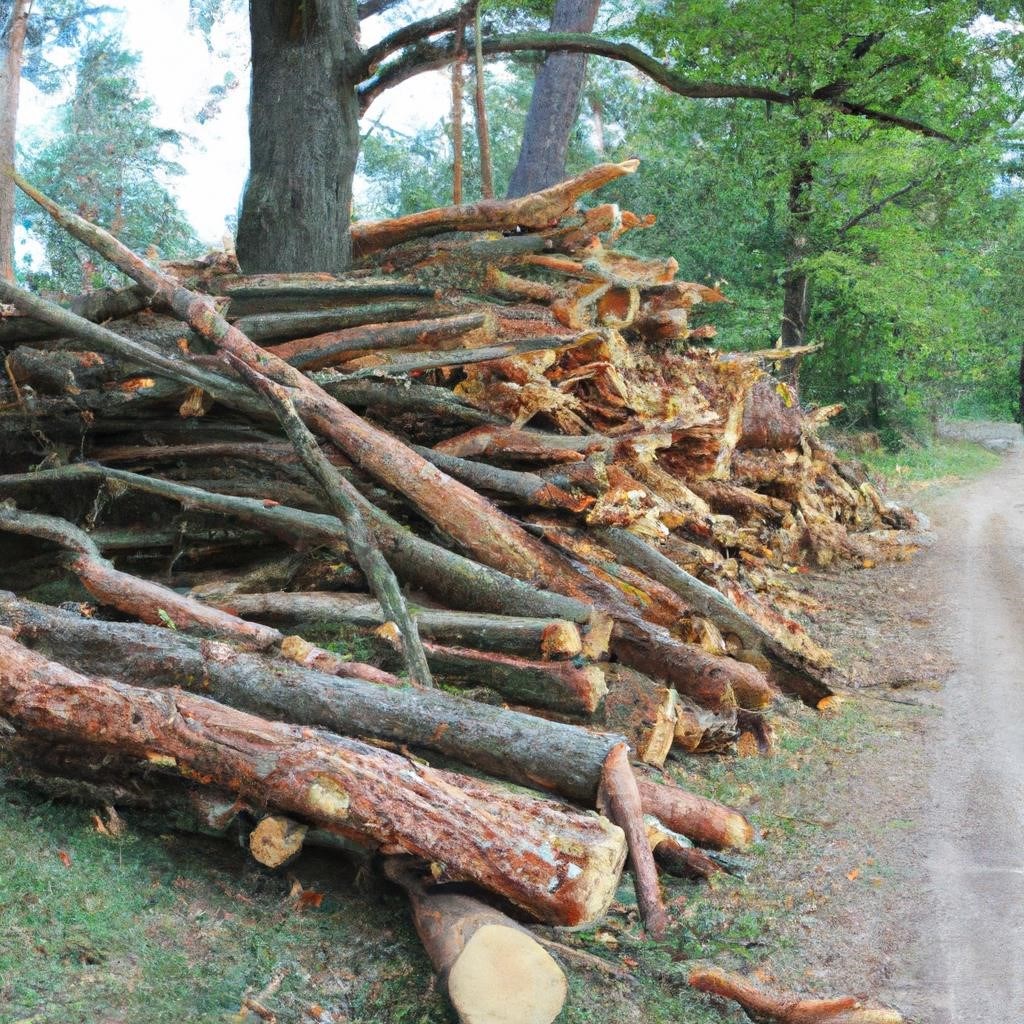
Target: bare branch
427,56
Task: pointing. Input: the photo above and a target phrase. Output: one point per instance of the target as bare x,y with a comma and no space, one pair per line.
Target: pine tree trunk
12,46
555,104
303,136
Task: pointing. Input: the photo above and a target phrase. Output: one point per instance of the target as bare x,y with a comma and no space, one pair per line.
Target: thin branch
427,56
880,204
341,499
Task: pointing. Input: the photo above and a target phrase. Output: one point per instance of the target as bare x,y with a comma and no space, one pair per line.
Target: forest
462,504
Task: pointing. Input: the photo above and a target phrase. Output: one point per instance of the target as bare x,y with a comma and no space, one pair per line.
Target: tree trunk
796,301
303,136
554,106
13,48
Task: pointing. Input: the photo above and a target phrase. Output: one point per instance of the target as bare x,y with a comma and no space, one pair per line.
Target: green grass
937,462
164,927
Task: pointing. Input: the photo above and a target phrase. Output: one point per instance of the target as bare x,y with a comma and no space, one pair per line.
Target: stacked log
553,498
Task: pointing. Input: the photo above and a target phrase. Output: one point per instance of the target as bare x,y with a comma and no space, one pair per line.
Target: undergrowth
166,927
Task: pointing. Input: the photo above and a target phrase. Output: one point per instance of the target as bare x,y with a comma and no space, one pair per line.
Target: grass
940,462
164,928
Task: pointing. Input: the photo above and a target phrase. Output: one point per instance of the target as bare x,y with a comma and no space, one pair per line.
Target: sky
177,72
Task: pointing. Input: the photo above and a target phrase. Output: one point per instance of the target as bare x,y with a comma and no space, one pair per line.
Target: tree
554,105
311,81
26,40
111,163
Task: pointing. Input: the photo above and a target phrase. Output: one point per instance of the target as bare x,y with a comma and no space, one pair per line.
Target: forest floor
889,859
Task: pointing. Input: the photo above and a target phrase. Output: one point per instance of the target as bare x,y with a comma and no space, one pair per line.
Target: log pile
498,455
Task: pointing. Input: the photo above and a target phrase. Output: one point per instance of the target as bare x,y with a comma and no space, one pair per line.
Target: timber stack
498,455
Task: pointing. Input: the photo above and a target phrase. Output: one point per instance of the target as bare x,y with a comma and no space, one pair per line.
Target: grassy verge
165,927
941,463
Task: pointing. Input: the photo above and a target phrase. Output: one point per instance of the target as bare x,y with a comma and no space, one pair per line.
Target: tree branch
880,204
427,56
417,31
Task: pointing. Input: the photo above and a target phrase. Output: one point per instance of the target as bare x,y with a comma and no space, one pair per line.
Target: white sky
177,72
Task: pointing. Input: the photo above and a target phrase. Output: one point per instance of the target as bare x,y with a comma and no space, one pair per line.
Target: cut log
336,346
276,840
766,1007
536,639
704,821
621,798
640,709
492,969
559,865
676,855
559,685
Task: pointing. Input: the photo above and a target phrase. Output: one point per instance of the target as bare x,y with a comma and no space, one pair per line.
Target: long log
532,751
492,969
793,674
451,577
704,821
559,865
533,638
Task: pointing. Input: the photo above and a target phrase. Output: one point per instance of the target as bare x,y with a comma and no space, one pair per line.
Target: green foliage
53,27
111,163
935,462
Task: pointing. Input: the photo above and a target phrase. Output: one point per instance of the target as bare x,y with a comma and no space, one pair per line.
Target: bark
483,134
554,104
771,419
303,136
341,498
337,346
278,327
641,710
558,685
793,673
12,52
796,286
446,574
766,1007
560,866
492,969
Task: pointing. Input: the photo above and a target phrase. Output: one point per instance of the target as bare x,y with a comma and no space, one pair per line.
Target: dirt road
974,826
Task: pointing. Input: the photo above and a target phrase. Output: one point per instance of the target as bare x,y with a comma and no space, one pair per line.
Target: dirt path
975,823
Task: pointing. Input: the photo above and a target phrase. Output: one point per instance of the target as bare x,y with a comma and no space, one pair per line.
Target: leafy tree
111,163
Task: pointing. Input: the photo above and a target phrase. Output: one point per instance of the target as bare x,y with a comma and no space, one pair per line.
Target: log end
276,840
503,976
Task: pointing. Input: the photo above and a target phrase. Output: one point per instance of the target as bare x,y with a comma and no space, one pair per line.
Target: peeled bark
559,865
491,968
766,1007
303,136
